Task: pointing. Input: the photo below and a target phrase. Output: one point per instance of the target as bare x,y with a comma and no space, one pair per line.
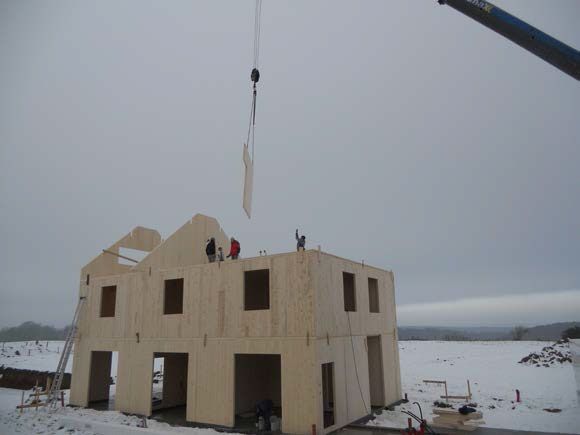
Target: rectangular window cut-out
373,295
257,290
173,296
349,291
108,300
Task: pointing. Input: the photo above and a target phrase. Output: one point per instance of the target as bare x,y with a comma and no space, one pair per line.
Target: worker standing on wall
234,249
210,250
300,241
220,254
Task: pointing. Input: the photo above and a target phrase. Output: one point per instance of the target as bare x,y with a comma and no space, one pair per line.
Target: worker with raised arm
300,241
234,249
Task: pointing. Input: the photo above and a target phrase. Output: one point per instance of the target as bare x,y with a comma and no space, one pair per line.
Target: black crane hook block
255,76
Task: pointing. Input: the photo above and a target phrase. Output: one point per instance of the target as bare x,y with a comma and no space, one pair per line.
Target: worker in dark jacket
264,410
234,249
300,242
210,250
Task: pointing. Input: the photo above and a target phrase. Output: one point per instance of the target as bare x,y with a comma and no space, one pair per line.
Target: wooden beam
106,251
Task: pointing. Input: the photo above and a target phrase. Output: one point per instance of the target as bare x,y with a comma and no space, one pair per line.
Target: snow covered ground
74,421
491,367
494,374
43,356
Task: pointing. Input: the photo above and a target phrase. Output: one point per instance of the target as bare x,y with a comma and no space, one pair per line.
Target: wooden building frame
302,326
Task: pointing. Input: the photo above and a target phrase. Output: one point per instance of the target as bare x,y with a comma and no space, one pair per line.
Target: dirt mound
557,353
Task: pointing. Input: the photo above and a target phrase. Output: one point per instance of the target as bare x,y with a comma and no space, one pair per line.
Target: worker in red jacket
234,249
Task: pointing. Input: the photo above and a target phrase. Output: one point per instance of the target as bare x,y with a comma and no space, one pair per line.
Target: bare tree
518,332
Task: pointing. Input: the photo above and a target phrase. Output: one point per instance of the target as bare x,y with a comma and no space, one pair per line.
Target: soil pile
557,353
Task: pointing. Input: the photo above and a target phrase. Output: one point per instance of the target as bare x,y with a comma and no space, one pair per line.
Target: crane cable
255,74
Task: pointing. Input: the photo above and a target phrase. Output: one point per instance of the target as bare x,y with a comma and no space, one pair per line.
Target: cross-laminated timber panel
339,331
212,302
211,368
186,246
104,264
331,317
305,324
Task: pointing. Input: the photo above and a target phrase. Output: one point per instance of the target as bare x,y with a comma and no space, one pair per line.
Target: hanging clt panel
248,182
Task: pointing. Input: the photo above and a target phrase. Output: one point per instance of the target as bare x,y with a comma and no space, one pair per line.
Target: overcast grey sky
398,132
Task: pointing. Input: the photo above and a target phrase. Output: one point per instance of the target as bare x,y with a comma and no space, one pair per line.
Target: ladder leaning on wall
54,393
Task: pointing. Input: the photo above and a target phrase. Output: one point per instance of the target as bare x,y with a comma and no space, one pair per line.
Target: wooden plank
456,419
106,251
456,413
455,397
31,405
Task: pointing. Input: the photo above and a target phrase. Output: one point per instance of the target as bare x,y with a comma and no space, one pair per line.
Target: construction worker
210,250
220,254
234,249
300,241
264,410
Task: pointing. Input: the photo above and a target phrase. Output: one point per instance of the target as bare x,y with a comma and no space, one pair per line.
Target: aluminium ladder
54,392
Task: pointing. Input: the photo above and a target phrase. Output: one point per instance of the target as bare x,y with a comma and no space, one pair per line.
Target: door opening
169,388
376,378
258,383
103,380
328,393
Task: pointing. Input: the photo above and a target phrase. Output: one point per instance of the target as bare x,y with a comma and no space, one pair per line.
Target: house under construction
313,332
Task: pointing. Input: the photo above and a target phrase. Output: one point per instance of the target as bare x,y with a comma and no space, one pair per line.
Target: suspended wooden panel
248,182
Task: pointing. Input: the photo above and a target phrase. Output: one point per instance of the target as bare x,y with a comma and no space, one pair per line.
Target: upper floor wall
299,294
352,298
107,263
257,297
184,247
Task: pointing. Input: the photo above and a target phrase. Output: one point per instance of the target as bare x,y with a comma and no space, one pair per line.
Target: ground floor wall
357,383
211,395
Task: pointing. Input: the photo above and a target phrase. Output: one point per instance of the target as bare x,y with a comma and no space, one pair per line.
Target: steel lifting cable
255,74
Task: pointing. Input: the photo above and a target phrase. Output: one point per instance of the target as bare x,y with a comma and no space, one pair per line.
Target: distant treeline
32,331
550,332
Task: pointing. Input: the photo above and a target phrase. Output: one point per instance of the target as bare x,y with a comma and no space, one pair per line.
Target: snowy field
491,367
43,356
494,373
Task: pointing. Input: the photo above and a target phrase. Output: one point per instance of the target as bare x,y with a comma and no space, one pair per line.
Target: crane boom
560,55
